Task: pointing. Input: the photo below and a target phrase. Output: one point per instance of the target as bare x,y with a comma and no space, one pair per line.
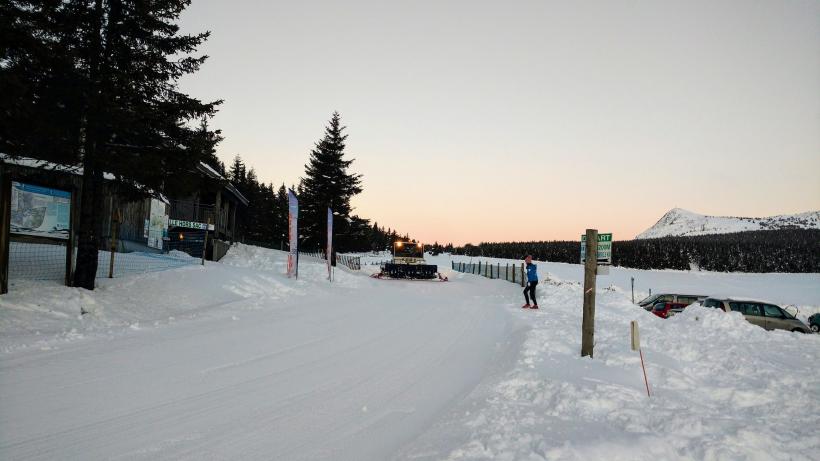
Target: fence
320,255
122,251
351,262
509,272
126,252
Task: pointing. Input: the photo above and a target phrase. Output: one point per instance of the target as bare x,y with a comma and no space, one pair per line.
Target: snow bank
721,388
46,314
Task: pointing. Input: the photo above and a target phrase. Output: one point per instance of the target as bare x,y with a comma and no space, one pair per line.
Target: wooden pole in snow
636,346
205,244
590,268
115,231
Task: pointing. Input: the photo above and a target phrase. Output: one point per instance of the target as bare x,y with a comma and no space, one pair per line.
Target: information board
40,211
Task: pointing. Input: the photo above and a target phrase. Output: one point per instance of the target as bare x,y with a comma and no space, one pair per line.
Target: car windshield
649,299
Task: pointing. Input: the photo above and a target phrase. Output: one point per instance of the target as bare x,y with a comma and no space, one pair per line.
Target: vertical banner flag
293,231
329,243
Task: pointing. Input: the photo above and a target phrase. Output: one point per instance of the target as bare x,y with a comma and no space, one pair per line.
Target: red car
666,310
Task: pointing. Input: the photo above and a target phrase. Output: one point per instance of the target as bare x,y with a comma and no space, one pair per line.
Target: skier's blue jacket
532,272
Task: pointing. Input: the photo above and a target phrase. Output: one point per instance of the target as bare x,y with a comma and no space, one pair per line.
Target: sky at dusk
499,121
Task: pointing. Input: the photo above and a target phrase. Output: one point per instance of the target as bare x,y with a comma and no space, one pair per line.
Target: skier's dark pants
530,291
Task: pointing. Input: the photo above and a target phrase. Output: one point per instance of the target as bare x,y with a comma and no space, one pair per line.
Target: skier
532,282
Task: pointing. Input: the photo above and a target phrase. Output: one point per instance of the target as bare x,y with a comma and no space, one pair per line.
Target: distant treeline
784,250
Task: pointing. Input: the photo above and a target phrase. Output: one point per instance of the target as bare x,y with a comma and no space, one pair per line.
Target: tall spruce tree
94,82
327,183
280,229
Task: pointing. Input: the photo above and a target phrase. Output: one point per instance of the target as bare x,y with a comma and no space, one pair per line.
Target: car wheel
815,328
797,330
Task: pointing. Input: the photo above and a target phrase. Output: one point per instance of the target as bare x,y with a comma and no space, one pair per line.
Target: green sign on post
604,249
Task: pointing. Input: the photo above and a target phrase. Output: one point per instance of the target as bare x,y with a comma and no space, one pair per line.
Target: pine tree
96,82
327,183
208,140
281,206
236,173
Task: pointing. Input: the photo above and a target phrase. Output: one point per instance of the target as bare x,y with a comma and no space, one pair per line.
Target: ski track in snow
325,373
235,361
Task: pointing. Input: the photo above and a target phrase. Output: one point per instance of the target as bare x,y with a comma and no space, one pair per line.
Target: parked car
814,322
649,302
762,314
666,310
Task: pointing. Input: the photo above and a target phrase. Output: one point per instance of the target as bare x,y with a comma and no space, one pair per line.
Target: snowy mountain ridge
679,222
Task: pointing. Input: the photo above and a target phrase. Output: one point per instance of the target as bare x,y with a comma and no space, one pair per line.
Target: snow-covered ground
235,361
37,261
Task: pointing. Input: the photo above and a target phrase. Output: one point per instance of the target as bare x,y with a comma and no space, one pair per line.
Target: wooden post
632,279
234,237
115,230
205,245
73,224
636,346
217,214
5,229
523,275
479,268
513,274
590,267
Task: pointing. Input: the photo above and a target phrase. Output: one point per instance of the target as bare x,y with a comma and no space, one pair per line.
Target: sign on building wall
40,211
189,224
157,224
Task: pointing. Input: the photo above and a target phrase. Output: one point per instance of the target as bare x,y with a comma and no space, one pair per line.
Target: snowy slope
235,361
679,222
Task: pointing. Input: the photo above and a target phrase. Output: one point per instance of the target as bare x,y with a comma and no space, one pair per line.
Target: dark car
649,302
814,322
666,310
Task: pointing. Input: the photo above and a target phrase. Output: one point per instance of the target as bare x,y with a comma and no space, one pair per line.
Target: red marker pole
636,346
644,374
